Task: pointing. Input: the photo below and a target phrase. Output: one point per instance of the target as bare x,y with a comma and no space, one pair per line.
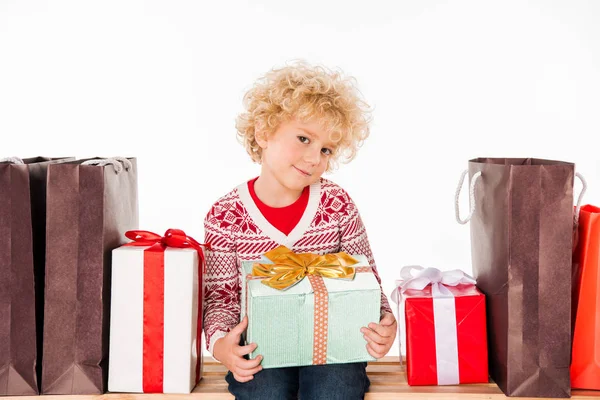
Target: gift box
445,321
155,326
585,364
306,309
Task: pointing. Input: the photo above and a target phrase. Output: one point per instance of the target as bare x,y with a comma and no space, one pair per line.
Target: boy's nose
312,156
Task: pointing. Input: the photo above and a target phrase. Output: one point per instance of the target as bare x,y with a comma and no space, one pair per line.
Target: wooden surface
388,381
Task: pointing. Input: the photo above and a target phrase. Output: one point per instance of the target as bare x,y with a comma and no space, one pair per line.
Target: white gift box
180,328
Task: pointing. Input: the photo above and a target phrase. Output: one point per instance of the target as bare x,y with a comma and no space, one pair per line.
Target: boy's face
296,154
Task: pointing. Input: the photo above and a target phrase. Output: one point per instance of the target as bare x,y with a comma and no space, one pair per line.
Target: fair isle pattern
236,236
321,322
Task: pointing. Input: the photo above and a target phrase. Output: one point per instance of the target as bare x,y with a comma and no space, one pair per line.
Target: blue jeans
326,382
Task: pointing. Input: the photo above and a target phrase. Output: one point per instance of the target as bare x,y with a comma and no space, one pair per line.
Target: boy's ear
261,139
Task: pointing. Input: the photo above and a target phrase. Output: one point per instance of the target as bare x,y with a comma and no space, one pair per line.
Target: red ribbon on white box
444,310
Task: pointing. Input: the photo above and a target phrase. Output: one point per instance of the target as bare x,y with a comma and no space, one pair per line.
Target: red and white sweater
237,231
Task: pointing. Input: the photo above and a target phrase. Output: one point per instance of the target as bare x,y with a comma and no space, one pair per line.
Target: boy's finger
387,320
373,336
378,348
380,329
373,353
242,379
244,373
388,332
241,327
242,363
243,350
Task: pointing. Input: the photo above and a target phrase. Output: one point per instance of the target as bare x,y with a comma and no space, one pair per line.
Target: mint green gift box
281,322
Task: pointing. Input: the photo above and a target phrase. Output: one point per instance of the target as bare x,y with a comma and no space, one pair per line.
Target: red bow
172,238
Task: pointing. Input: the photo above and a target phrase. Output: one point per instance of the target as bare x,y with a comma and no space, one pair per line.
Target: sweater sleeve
222,298
354,240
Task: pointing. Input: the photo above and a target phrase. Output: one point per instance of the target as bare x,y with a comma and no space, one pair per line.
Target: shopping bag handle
471,197
476,177
580,198
117,162
12,160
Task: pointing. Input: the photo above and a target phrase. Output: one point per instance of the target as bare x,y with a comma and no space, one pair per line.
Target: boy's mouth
302,171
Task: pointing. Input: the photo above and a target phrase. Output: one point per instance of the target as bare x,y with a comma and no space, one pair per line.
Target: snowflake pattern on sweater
237,231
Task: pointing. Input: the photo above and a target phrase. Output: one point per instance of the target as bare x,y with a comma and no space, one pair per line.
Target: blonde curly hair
307,93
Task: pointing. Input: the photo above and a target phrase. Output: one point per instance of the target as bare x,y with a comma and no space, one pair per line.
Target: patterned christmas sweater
237,231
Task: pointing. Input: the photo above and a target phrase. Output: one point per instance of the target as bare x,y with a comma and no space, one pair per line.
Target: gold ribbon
290,268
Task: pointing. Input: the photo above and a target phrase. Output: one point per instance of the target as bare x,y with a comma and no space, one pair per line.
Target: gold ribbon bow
289,268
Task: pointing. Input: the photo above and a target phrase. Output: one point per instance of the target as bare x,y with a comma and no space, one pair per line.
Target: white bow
418,278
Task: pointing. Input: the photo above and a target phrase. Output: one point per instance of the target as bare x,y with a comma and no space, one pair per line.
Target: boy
299,120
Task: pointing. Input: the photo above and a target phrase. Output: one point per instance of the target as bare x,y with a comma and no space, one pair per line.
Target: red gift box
446,339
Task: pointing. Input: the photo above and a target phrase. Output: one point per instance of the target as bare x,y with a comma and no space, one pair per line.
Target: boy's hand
381,336
228,351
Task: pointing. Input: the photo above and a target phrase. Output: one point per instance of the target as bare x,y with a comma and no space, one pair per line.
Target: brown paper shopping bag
91,204
22,242
521,245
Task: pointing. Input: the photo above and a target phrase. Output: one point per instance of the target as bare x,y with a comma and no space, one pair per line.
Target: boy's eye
303,139
326,151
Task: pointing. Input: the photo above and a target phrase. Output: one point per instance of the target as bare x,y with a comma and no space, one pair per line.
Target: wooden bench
388,381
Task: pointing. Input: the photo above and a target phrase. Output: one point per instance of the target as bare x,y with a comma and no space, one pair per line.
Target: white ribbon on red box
444,310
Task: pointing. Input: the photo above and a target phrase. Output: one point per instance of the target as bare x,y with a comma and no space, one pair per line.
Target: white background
449,81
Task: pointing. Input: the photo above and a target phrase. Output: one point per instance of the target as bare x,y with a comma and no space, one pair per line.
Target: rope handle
117,162
12,160
580,198
471,197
